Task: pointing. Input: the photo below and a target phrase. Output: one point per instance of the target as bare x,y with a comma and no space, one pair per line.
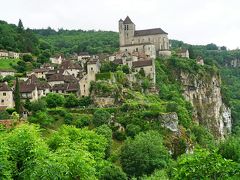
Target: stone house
148,66
3,54
5,73
40,73
83,56
33,88
71,68
6,96
66,88
56,60
184,53
13,55
93,67
129,36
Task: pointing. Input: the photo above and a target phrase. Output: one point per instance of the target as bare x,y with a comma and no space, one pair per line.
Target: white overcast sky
192,21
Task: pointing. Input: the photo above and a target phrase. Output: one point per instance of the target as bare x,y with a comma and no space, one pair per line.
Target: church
153,42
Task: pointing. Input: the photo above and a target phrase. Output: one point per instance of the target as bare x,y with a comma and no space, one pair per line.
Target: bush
39,105
101,117
82,120
112,172
71,101
144,154
41,118
54,100
132,130
85,101
4,115
68,119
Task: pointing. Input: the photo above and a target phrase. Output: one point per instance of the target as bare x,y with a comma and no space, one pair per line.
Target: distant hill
16,38
75,41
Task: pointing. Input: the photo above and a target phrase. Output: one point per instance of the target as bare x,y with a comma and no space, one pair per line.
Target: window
4,94
2,101
137,49
92,68
149,39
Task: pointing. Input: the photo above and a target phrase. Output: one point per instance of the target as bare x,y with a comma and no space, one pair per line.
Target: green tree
42,118
229,149
101,117
27,58
112,173
39,105
144,154
71,101
20,25
54,100
105,131
17,97
203,164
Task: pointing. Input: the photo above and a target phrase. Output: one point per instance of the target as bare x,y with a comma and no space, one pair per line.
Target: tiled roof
69,65
127,21
68,87
118,61
147,32
83,54
40,70
144,63
56,77
4,87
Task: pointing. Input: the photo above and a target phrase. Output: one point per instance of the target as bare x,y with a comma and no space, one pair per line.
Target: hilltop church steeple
126,31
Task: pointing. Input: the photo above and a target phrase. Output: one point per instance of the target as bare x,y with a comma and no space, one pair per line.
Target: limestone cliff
204,93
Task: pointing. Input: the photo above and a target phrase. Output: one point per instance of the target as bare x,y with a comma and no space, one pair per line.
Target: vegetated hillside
132,138
16,38
75,41
228,63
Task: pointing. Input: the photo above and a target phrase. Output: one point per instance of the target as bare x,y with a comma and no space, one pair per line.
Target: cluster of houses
9,54
66,77
138,50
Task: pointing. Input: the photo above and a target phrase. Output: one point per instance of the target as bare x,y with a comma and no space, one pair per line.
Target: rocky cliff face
204,93
233,63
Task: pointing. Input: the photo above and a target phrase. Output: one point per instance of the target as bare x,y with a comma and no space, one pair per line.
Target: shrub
101,117
54,100
82,120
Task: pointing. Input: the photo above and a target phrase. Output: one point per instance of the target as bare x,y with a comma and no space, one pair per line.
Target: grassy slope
5,64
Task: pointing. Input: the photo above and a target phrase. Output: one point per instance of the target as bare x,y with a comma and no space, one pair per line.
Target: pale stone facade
3,54
6,96
56,60
5,73
93,67
184,53
13,55
129,36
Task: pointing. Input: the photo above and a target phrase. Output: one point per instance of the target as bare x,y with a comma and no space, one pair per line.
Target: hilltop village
137,53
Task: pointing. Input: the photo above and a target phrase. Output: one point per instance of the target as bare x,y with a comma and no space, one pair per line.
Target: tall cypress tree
17,97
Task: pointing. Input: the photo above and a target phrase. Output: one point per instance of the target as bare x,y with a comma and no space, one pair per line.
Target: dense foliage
76,41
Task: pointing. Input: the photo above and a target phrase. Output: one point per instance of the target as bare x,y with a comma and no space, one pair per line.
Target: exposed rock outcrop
204,93
169,121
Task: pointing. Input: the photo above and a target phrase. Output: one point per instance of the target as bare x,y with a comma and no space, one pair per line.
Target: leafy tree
85,101
39,105
105,131
203,164
101,117
112,173
144,154
229,149
132,130
158,174
42,118
71,101
82,120
54,100
27,58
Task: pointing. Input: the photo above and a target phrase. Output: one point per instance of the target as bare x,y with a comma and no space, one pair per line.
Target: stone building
6,96
148,40
182,52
